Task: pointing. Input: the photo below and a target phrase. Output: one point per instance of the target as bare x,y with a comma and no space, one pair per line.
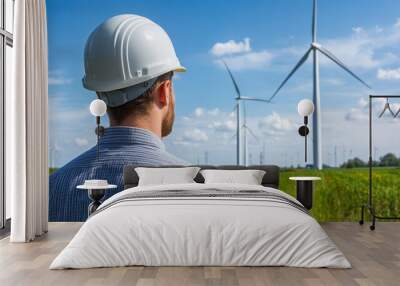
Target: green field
341,192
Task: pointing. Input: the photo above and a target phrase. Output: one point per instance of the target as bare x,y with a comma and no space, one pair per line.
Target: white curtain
26,124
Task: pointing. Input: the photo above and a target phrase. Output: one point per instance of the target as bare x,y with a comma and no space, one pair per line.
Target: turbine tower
241,129
315,47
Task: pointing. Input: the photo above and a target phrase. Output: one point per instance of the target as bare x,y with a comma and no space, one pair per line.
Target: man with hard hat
129,63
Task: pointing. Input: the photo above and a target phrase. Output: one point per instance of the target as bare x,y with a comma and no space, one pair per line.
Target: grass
341,192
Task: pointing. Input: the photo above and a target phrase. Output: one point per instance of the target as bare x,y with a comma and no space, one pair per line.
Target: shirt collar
122,135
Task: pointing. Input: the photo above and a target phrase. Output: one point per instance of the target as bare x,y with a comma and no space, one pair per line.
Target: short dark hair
138,106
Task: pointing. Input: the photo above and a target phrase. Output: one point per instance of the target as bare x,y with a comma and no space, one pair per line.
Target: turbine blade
255,99
232,78
244,111
339,63
314,22
235,107
301,61
252,133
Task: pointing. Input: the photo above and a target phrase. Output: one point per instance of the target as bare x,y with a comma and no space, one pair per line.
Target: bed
198,224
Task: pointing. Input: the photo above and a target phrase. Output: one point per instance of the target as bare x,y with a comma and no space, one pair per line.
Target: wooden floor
375,257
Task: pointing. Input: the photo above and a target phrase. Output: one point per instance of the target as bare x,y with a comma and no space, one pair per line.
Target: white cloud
275,124
214,112
277,132
360,112
388,74
59,81
378,29
365,48
54,146
193,136
332,81
354,52
248,61
223,126
362,102
239,55
214,127
81,142
231,47
356,114
397,24
68,114
57,77
198,112
357,29
214,118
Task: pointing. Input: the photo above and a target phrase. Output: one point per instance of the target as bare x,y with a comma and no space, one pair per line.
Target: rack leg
372,227
361,222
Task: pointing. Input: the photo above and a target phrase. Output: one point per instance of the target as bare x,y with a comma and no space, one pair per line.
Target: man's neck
144,122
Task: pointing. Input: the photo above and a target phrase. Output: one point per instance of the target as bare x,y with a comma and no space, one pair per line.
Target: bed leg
372,227
361,222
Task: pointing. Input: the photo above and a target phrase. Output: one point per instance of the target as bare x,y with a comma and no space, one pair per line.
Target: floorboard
375,257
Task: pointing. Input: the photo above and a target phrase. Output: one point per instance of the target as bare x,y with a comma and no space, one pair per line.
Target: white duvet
200,231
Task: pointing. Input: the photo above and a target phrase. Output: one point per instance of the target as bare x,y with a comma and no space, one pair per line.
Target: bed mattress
201,225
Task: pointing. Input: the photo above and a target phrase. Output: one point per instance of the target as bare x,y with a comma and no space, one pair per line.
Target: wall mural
247,69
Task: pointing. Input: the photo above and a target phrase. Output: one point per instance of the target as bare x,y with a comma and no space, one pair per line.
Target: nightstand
96,194
305,189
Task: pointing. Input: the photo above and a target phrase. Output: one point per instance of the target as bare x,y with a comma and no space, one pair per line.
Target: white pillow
166,176
248,177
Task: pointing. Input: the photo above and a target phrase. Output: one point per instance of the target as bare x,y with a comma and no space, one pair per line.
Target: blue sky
365,34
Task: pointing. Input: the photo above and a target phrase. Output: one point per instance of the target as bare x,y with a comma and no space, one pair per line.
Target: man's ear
164,91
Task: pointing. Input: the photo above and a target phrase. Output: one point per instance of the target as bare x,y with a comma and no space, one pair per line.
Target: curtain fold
26,124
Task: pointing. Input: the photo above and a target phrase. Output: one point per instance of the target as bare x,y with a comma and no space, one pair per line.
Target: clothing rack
369,206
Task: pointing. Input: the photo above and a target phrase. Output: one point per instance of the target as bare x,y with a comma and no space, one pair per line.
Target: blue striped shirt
119,146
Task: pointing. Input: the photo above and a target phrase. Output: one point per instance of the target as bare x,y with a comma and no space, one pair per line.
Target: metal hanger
387,107
397,113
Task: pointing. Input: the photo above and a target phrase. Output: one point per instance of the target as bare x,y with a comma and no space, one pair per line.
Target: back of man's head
129,63
139,107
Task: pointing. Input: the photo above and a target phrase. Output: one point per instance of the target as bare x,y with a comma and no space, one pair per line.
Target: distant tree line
388,160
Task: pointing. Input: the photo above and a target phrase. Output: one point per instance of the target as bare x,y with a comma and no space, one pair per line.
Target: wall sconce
98,108
305,108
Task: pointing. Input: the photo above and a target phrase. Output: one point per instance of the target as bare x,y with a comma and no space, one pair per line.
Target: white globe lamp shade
98,107
305,107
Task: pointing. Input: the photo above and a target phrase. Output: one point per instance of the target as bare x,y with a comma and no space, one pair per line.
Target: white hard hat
127,51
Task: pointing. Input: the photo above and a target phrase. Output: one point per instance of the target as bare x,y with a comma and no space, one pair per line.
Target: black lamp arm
98,135
305,138
303,131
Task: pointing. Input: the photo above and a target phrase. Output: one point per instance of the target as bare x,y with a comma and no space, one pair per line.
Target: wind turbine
239,98
314,49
